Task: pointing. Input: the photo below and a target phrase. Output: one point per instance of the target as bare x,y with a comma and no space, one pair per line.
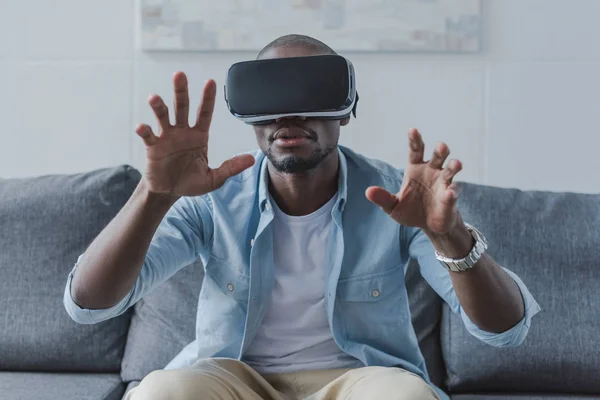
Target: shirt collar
263,185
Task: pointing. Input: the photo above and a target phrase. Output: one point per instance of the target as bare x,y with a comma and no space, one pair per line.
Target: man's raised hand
177,158
428,197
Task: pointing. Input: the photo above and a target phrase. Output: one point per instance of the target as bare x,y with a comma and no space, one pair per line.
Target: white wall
522,113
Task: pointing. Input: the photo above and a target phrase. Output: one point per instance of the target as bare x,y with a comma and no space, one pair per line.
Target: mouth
289,137
293,132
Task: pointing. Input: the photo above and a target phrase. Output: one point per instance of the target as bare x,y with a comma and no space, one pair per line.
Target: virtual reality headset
261,91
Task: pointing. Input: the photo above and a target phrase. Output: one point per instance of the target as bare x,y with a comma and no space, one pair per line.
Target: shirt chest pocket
372,288
227,279
373,307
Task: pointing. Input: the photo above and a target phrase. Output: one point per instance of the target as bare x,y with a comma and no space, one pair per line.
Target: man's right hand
176,159
177,166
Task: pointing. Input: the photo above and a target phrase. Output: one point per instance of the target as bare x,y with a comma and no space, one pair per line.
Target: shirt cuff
88,316
515,335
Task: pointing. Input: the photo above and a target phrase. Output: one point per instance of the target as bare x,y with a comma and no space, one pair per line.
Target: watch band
464,264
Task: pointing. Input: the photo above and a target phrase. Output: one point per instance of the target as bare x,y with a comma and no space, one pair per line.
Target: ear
344,121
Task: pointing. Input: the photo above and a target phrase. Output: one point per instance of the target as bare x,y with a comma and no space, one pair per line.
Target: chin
293,164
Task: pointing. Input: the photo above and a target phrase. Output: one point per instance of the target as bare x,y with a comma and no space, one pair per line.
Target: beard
296,164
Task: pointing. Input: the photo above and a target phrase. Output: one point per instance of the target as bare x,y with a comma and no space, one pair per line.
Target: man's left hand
427,198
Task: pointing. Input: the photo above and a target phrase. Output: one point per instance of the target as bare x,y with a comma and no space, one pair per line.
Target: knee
176,385
159,385
414,388
394,384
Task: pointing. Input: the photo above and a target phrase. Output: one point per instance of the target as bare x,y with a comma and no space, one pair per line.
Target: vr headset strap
355,103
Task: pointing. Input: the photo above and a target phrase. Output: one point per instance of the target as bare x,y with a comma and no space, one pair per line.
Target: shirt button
267,206
375,293
251,242
230,287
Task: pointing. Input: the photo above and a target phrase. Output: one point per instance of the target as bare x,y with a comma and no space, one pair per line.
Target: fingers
145,132
207,106
451,194
160,111
382,198
230,168
440,154
416,147
453,168
182,99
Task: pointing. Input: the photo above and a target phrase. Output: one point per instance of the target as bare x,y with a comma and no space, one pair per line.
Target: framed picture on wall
346,25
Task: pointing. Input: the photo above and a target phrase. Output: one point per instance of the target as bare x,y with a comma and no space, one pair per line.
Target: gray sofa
550,239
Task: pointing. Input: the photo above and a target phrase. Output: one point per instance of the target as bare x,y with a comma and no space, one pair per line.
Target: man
304,245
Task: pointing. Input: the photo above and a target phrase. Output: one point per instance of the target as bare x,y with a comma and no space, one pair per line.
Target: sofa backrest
426,314
45,224
552,241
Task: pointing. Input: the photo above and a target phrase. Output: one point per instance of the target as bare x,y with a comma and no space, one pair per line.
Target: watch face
453,266
461,266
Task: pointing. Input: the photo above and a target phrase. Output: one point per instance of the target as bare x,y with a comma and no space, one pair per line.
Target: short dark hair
295,40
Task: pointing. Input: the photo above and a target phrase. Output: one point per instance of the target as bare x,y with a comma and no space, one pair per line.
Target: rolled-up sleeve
515,335
420,247
88,316
178,241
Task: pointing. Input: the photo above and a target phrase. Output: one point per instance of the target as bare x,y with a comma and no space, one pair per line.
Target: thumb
382,198
230,168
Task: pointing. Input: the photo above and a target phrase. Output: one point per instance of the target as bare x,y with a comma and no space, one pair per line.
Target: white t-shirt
295,334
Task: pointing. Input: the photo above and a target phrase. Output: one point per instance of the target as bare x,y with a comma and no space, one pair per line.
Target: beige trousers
227,379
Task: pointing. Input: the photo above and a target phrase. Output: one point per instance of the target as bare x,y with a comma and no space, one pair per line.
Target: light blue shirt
366,301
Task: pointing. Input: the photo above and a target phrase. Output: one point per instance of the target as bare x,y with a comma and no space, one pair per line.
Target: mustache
293,124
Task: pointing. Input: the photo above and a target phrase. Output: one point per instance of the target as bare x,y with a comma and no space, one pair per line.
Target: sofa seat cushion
46,222
54,386
551,241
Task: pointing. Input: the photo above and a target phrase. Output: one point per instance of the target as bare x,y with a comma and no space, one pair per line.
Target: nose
289,117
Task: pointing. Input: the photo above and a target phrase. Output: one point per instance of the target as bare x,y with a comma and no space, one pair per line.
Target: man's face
297,144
